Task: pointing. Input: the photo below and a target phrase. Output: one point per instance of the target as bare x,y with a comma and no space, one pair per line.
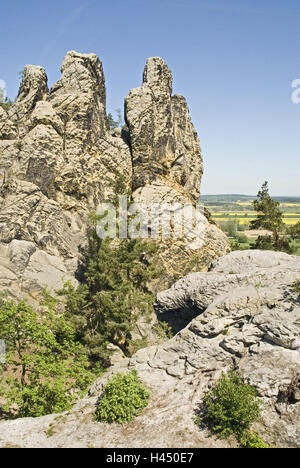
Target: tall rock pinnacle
164,142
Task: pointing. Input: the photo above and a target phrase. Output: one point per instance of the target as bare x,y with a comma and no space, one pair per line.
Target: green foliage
5,102
120,118
251,439
123,399
232,406
277,243
163,330
111,122
119,123
45,366
114,292
294,231
271,218
234,244
242,238
105,308
21,74
135,345
18,145
230,227
296,287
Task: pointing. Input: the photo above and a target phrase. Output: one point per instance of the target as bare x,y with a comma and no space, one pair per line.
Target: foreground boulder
246,314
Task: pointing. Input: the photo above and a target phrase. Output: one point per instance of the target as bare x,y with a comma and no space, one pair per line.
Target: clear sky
234,61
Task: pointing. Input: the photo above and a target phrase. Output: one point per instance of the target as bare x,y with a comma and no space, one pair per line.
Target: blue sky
234,61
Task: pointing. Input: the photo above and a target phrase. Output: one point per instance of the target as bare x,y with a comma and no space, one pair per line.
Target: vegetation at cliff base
46,368
106,306
124,397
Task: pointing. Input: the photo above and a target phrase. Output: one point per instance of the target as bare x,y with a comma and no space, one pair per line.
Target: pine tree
111,122
114,292
269,217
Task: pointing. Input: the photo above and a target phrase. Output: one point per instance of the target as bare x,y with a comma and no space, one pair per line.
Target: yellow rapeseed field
242,219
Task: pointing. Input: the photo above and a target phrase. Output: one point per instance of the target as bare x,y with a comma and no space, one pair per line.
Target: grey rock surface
164,143
247,315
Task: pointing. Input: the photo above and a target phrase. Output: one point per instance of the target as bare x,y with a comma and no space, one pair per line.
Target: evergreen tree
294,231
269,217
114,291
111,122
5,102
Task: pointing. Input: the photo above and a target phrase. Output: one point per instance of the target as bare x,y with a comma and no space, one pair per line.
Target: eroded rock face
59,159
168,166
33,88
246,315
79,98
164,143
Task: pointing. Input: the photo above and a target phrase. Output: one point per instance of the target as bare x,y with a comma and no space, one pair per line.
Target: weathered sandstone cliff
59,159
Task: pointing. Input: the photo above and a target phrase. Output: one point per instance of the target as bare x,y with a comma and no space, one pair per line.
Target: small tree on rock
270,217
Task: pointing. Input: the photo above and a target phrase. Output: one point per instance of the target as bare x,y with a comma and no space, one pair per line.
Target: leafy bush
242,238
296,287
162,330
231,406
281,244
252,440
123,399
45,366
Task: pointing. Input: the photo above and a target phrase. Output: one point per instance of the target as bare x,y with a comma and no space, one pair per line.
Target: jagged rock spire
164,142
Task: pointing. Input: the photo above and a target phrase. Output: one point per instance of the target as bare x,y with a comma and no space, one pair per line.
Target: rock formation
59,159
246,314
167,162
164,143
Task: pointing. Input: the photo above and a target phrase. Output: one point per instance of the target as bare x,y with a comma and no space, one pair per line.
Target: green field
239,208
245,218
233,214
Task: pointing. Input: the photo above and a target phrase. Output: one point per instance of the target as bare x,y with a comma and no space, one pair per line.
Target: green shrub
252,440
135,345
242,239
231,406
123,399
46,368
162,330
